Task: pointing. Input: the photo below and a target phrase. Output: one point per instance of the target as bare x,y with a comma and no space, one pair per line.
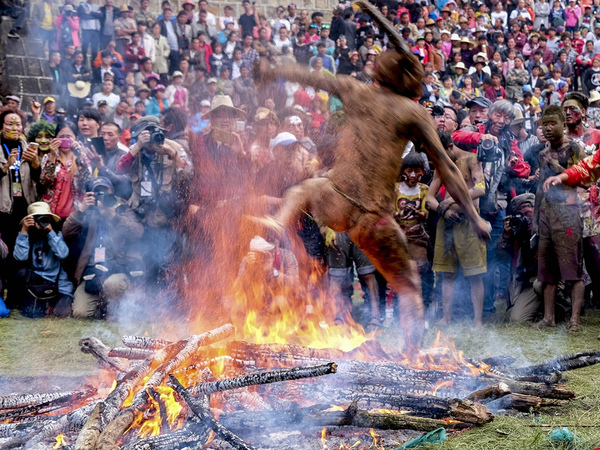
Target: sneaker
12,34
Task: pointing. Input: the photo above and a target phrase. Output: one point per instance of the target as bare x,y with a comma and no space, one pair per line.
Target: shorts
342,253
560,249
468,251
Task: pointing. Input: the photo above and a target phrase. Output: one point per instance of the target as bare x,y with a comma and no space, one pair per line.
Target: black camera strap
147,165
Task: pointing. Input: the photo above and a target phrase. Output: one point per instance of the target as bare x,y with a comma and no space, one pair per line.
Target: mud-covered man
558,221
357,194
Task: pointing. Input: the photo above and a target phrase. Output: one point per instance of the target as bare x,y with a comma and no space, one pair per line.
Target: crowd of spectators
145,105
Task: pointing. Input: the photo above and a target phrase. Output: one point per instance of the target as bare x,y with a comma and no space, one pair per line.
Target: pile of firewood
227,395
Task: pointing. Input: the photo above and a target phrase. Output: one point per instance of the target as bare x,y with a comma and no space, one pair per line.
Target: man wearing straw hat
125,27
44,287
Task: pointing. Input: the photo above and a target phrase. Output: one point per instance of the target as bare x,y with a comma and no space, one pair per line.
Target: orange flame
376,440
60,441
324,438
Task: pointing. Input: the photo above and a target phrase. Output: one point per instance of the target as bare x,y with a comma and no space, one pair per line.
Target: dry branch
562,363
517,402
144,343
95,347
540,390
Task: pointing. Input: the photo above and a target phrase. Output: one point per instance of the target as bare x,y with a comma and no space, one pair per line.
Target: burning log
553,378
193,436
95,347
265,378
91,429
281,355
23,400
130,353
206,417
562,363
518,402
162,410
489,393
144,343
185,348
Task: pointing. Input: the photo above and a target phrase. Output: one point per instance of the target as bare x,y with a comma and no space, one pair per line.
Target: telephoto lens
42,221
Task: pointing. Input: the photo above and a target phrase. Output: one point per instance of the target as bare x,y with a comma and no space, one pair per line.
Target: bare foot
543,324
478,324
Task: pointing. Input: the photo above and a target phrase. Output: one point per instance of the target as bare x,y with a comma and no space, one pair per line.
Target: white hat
594,96
455,37
79,89
284,139
223,101
259,244
205,103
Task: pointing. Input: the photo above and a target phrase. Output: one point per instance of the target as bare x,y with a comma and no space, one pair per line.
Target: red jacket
521,169
490,94
132,56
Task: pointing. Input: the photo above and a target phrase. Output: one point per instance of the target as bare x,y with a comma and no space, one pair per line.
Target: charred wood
162,410
562,363
553,378
22,400
206,417
193,435
518,402
114,430
489,393
90,430
265,378
130,353
144,343
52,403
540,389
95,347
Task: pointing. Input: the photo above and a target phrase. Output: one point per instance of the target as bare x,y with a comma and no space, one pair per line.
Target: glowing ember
387,411
60,441
335,408
324,438
376,440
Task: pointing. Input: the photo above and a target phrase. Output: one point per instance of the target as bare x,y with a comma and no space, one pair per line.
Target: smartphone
240,126
98,144
66,142
34,146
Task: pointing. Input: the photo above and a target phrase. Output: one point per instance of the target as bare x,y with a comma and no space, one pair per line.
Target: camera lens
42,221
438,110
108,200
487,144
158,137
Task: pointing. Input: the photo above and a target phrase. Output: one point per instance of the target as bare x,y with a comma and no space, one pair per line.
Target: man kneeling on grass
456,243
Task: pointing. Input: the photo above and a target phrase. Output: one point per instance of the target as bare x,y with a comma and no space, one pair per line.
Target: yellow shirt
409,202
47,23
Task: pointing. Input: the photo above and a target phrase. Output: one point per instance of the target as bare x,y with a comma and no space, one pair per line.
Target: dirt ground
44,353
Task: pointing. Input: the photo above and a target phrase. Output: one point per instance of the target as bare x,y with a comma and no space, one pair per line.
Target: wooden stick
489,393
114,430
22,400
518,402
539,389
144,343
91,430
206,417
95,347
194,434
562,363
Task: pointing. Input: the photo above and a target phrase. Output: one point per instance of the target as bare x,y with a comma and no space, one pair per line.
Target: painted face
12,127
43,140
553,128
573,112
412,176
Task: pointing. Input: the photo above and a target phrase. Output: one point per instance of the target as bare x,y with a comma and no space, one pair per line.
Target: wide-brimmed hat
69,8
79,89
460,65
465,40
463,19
480,101
124,8
455,37
222,101
263,113
430,21
480,55
519,119
176,74
594,96
40,209
142,87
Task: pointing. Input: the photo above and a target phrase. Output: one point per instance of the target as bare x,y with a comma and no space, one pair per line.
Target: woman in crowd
516,78
19,170
176,94
64,172
468,90
158,103
266,124
88,123
41,133
161,65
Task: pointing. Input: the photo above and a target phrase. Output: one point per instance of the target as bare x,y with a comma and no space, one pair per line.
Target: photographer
43,287
514,245
160,172
107,232
499,153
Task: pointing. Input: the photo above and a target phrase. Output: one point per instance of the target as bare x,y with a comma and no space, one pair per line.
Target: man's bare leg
477,298
549,301
577,294
382,240
448,281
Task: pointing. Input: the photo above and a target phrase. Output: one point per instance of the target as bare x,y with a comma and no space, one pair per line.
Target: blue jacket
153,109
52,254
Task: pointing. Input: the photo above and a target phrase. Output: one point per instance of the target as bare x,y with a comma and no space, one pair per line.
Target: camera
156,135
108,200
437,110
42,221
517,223
488,151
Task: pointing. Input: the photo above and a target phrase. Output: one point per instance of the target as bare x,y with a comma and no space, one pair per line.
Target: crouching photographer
160,172
518,246
107,232
43,287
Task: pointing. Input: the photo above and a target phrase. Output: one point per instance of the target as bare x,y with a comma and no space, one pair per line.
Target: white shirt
499,15
111,99
210,18
149,47
520,12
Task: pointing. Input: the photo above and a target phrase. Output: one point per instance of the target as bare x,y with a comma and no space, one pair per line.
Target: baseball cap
211,80
88,102
49,99
205,103
284,139
480,101
14,98
100,182
102,103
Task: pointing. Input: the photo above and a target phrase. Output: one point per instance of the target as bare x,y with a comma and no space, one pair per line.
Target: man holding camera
43,287
160,173
109,232
498,151
558,219
516,245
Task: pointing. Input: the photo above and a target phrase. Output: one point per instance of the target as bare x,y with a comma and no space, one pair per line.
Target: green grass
49,347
